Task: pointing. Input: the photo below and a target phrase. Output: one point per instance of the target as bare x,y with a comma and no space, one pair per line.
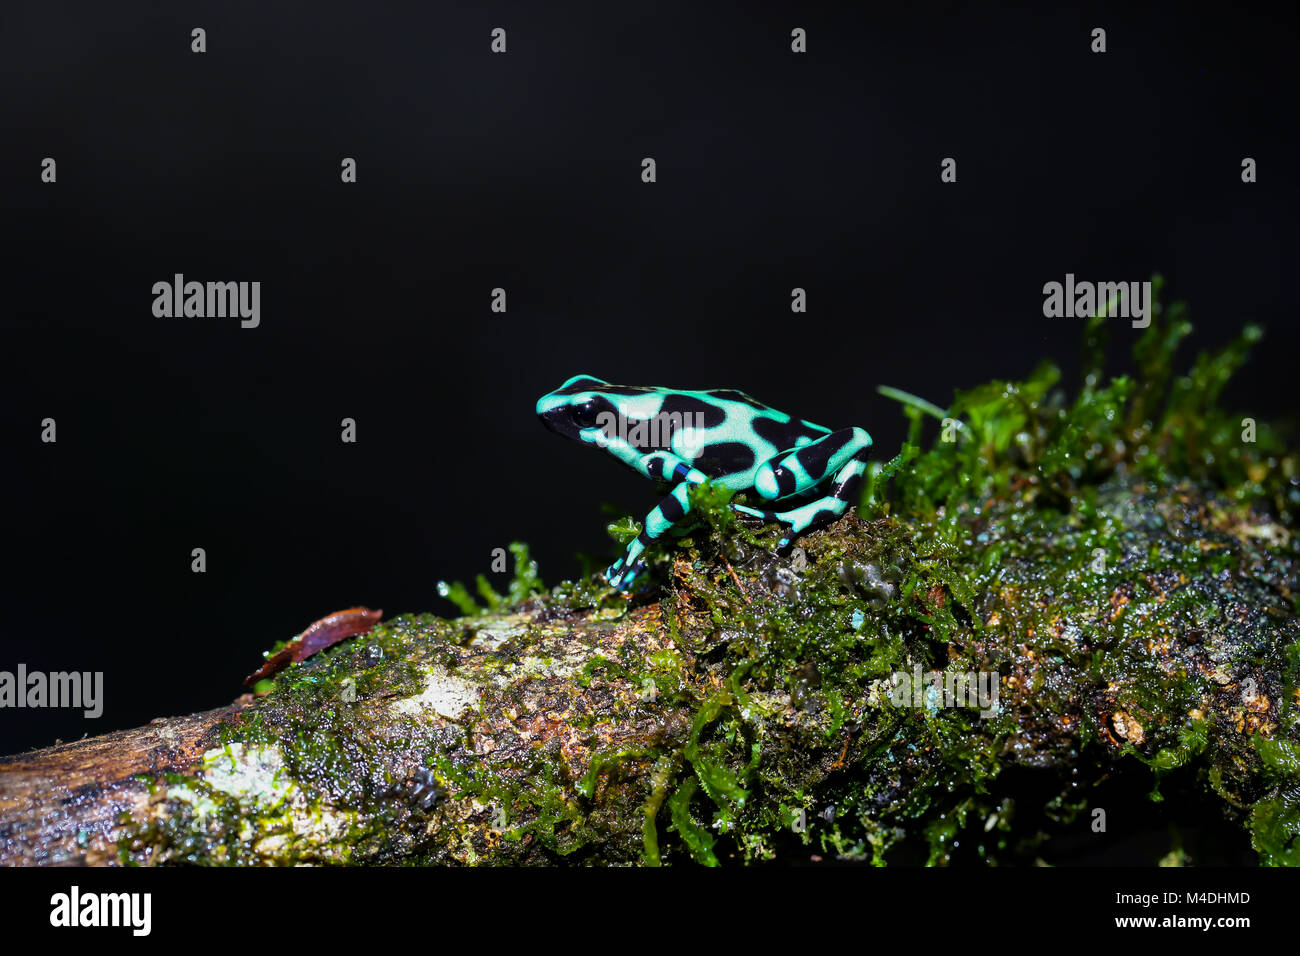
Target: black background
523,171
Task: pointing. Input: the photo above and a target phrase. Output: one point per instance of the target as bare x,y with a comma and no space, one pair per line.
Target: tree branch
752,711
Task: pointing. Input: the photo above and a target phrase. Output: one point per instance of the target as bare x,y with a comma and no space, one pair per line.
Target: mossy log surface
551,733
1125,564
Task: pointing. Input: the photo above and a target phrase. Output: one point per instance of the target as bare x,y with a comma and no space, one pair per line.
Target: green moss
1275,822
699,842
525,583
1092,528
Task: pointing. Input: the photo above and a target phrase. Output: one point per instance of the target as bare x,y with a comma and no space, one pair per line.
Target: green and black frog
808,473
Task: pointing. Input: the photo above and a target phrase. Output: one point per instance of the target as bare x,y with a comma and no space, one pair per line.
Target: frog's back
729,434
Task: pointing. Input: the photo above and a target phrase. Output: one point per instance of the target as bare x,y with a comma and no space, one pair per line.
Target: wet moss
1124,559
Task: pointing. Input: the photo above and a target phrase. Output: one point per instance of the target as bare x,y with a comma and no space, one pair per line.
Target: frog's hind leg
799,470
820,511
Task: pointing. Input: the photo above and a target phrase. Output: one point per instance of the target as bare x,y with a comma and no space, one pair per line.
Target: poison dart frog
682,438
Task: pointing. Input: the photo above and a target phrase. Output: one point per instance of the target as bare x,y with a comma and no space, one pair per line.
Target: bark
60,805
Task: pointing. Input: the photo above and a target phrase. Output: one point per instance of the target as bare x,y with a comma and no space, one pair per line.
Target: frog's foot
815,514
766,516
620,574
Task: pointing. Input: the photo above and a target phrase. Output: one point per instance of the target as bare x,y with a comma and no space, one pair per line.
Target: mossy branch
1122,563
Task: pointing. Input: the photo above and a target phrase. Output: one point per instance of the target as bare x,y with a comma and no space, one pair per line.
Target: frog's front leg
661,466
841,454
667,513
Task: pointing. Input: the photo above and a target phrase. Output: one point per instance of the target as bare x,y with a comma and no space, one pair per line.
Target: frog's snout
557,417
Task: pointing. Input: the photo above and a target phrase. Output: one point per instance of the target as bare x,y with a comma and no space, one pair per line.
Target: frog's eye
584,415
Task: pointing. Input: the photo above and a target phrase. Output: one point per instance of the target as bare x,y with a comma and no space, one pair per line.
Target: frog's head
578,408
